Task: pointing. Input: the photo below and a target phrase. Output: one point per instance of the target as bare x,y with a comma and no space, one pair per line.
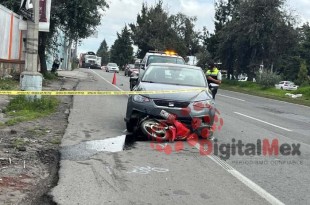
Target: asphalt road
95,170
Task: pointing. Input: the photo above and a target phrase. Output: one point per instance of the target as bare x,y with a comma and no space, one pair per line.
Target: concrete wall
12,49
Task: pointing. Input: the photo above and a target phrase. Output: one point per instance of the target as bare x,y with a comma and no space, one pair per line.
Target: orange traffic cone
114,79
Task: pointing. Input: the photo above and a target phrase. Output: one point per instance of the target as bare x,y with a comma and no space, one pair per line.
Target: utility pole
31,79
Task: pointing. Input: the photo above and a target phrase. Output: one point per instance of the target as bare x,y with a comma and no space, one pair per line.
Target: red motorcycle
170,129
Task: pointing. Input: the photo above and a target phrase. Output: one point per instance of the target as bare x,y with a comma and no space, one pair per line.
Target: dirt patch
29,151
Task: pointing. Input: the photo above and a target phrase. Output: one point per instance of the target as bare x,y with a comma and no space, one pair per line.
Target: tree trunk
69,66
41,51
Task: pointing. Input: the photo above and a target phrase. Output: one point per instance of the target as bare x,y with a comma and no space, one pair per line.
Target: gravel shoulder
28,172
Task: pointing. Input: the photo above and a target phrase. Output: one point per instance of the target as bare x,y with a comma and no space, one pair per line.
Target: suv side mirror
142,66
133,81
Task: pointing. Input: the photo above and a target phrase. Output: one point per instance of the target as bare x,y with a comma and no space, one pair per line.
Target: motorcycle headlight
140,99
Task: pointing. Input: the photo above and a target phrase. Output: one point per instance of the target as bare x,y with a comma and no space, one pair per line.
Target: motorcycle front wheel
155,130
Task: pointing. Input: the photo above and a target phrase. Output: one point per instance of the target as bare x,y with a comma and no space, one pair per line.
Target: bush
303,75
267,79
305,91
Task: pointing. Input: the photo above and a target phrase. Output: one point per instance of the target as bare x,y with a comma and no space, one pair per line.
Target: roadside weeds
29,144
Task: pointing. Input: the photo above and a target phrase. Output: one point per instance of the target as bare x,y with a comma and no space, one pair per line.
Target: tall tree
258,33
103,52
122,50
155,29
187,37
305,43
13,5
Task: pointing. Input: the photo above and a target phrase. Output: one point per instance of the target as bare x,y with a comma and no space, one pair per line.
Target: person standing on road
214,76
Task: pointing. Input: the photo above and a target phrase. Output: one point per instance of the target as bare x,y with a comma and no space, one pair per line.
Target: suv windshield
174,75
164,59
112,64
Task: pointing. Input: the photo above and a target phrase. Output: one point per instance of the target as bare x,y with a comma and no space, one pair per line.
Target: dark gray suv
185,105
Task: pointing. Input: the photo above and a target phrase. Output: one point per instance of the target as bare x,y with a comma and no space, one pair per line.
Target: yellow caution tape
98,92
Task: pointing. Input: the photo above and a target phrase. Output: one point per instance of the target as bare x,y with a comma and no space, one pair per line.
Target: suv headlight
140,99
203,104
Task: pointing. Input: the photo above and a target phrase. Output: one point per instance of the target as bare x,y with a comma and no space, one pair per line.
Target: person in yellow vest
214,76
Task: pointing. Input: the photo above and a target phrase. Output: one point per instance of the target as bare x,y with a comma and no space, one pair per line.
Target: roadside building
12,55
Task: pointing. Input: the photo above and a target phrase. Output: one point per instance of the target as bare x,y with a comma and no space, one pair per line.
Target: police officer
214,76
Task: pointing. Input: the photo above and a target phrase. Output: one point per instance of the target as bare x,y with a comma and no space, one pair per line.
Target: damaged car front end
194,108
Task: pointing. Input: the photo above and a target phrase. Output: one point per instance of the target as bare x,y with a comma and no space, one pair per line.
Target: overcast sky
123,12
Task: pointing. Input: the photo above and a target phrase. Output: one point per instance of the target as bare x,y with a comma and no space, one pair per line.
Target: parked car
164,76
243,79
286,85
112,67
129,69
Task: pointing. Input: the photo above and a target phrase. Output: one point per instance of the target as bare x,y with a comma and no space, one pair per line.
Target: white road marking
249,183
231,97
107,81
263,122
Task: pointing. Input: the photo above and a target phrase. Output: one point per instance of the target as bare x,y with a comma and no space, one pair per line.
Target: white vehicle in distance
112,67
243,79
286,85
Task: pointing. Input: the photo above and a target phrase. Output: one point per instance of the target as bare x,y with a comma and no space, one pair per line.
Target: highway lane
249,118
106,176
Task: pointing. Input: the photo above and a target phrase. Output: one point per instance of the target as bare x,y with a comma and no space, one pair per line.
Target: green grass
21,108
37,132
9,84
55,141
272,93
50,76
19,142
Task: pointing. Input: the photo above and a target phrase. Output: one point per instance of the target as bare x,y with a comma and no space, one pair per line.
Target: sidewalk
77,74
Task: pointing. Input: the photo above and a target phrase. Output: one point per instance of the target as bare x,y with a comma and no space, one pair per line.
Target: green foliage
305,43
22,108
50,76
103,52
11,4
267,79
19,103
305,91
78,19
55,141
155,29
251,32
19,142
303,78
121,50
8,84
